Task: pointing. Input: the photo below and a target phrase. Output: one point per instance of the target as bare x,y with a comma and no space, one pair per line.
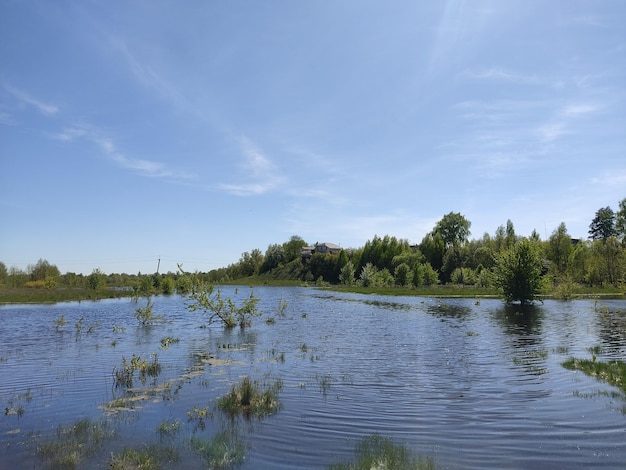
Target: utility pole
158,265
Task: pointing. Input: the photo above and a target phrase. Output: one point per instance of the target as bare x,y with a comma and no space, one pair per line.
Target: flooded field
471,384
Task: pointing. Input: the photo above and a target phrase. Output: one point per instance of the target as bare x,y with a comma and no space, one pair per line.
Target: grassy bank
612,372
25,295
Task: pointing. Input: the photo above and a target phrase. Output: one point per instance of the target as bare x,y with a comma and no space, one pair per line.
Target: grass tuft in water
168,427
73,444
613,372
376,452
223,451
250,399
151,457
165,342
60,322
124,375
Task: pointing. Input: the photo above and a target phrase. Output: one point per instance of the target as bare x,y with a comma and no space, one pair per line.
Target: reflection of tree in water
443,309
523,325
522,320
611,323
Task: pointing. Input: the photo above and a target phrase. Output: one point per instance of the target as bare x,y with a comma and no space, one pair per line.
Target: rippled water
471,384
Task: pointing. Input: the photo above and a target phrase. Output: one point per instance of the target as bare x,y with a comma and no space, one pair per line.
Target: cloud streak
46,109
105,144
261,173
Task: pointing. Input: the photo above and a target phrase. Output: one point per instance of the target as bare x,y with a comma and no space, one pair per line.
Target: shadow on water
520,320
611,321
443,309
523,326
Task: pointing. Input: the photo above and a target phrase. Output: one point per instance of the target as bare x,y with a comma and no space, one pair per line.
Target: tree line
445,255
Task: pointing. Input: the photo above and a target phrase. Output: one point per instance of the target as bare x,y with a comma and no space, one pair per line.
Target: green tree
579,261
16,277
96,280
518,272
433,248
168,285
293,248
603,225
403,274
346,275
560,248
4,274
274,257
368,273
43,269
424,274
250,263
205,297
454,229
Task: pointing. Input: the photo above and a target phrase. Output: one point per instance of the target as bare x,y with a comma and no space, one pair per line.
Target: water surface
471,384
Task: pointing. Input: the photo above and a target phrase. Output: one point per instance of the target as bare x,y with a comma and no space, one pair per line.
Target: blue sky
195,131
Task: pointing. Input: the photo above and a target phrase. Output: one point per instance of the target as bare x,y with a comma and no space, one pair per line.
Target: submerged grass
222,451
249,398
377,452
151,457
73,444
612,372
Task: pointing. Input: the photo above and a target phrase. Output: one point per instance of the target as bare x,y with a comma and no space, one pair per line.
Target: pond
471,384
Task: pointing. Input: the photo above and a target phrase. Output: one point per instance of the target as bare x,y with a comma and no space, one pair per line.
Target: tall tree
518,272
293,248
454,228
559,248
603,224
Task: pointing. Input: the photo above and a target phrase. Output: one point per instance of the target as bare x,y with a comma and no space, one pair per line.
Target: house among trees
324,248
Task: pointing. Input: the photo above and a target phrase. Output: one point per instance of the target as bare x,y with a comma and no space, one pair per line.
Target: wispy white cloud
106,145
144,73
611,178
44,108
552,131
579,109
501,74
261,173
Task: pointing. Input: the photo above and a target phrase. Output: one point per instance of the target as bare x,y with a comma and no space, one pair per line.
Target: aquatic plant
223,450
168,427
146,315
60,322
205,297
250,399
79,324
281,309
376,452
612,372
165,342
124,375
198,416
151,457
325,381
71,445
